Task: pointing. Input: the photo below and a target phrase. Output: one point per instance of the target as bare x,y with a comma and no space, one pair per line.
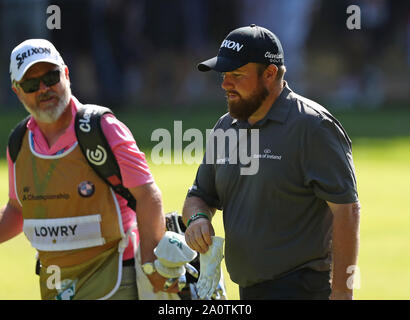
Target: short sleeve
328,163
133,165
204,185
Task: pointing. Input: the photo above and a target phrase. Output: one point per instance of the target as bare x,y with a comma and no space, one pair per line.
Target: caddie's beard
244,108
51,114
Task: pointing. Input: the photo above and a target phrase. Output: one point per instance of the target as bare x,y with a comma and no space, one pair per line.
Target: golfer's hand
158,282
198,235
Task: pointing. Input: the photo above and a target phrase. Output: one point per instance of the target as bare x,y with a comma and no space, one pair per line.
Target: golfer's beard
51,115
244,108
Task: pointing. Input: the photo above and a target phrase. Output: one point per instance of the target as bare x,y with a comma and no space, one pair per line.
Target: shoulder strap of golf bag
93,144
16,138
97,151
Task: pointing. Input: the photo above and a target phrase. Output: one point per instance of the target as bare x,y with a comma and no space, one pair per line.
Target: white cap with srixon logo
244,45
30,52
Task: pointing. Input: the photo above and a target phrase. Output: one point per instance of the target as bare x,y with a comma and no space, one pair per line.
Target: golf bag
174,223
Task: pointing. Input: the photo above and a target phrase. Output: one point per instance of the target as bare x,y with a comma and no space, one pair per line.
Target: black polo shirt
277,220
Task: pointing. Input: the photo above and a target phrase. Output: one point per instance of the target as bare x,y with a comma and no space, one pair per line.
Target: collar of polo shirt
279,110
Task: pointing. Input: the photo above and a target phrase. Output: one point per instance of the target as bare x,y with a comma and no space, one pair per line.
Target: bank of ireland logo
97,156
86,189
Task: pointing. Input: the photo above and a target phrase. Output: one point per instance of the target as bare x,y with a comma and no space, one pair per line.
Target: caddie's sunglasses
33,84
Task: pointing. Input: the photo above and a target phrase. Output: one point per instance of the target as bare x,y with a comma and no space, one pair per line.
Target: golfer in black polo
291,225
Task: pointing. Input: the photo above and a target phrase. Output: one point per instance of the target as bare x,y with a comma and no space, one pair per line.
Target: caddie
75,220
292,224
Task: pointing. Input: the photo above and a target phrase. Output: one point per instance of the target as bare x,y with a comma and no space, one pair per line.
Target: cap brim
221,64
23,71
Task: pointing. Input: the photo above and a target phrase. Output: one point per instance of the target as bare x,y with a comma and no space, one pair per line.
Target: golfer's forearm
345,247
345,254
193,205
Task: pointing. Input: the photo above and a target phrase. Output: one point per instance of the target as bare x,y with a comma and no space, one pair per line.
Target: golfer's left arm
345,242
151,228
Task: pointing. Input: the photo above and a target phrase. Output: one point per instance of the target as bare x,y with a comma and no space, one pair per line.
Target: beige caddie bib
73,219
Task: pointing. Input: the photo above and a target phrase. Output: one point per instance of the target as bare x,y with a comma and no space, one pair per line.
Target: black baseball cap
243,45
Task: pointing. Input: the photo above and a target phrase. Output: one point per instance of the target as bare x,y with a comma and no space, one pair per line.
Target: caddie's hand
337,295
158,283
198,235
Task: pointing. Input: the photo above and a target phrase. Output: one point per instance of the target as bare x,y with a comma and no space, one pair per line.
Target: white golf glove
172,251
210,273
173,255
174,274
167,272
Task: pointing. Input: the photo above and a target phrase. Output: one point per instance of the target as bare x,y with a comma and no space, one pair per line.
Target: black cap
244,45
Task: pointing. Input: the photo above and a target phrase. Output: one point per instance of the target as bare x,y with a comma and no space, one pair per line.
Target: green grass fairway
17,278
383,174
381,151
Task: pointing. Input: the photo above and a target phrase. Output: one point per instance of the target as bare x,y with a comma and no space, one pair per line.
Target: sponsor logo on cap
232,45
32,51
273,57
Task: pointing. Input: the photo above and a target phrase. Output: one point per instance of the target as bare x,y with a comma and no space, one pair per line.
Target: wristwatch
148,268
